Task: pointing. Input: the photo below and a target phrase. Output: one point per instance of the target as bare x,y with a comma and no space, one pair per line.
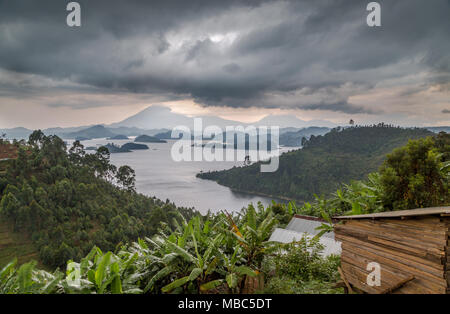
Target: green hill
55,204
322,165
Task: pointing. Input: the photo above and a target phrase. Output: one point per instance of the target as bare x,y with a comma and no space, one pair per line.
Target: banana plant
102,273
445,169
27,279
202,266
236,270
188,257
253,234
325,227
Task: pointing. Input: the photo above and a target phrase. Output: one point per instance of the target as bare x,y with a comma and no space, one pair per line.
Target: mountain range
159,119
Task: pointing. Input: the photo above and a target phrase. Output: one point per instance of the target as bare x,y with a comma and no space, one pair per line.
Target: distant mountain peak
160,117
97,126
154,117
156,108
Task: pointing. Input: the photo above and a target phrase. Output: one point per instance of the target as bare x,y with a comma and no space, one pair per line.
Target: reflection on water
158,175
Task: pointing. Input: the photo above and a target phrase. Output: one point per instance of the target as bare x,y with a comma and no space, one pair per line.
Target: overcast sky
315,59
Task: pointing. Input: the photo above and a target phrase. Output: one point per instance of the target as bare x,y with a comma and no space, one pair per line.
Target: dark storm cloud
231,68
312,55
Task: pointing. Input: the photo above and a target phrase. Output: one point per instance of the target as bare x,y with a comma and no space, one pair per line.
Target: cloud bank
307,55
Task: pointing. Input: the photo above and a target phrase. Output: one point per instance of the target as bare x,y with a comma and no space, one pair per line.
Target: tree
9,205
77,152
102,165
53,196
411,177
126,177
36,138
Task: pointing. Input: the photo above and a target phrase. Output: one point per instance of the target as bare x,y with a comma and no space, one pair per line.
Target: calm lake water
158,175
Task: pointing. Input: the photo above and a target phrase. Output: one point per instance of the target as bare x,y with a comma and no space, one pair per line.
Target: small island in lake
134,146
148,139
119,137
113,149
126,148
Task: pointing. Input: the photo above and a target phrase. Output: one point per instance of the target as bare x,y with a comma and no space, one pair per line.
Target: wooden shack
411,247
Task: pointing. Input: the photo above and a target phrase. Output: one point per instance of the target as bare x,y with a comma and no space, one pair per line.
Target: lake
158,175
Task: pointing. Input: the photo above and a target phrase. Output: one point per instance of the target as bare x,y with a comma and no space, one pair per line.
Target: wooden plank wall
416,246
447,255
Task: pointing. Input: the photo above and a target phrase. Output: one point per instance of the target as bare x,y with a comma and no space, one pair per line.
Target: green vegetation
13,244
213,254
299,268
322,165
188,253
414,176
67,202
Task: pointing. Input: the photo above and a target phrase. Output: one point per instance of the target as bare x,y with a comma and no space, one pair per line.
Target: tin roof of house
286,236
441,211
307,224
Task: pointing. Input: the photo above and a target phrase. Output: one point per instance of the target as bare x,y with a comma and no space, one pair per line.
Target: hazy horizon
232,119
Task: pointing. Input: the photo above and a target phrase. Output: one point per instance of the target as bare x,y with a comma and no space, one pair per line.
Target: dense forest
324,163
416,175
67,201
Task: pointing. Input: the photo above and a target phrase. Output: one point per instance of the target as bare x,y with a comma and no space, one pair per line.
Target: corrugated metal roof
286,236
443,211
307,225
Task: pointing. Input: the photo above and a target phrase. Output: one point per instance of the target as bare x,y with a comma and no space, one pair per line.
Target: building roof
441,211
286,236
307,224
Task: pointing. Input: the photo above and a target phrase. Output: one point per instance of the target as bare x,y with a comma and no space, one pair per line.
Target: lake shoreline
279,197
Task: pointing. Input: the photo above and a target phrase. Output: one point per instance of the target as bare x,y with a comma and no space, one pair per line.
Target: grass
16,245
